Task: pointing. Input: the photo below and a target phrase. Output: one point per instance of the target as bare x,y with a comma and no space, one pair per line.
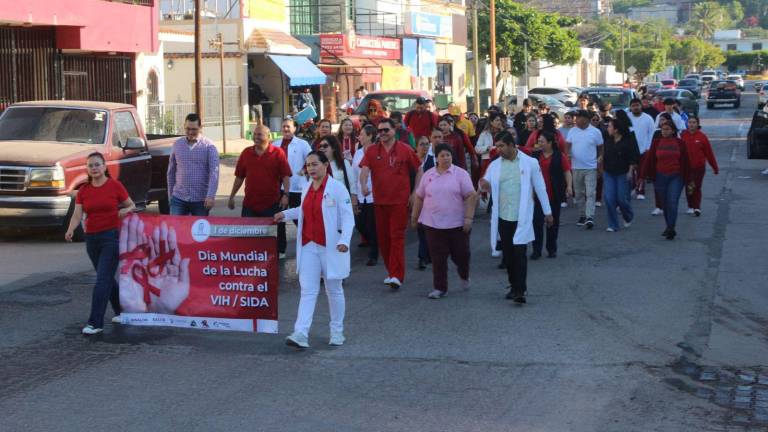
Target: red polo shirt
391,171
263,176
313,229
101,205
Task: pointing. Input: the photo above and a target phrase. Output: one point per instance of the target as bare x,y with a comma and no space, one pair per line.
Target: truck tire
79,234
163,206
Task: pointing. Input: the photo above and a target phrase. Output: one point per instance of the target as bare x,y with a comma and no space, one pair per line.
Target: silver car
563,94
739,80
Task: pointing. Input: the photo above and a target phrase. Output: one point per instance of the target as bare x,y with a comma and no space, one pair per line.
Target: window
444,82
125,127
757,46
731,47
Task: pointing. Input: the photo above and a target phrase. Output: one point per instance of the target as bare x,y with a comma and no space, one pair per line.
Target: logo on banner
201,230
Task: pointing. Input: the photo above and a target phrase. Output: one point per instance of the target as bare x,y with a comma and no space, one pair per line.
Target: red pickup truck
43,148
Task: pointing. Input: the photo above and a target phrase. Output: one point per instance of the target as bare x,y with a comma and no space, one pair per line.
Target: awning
299,70
269,41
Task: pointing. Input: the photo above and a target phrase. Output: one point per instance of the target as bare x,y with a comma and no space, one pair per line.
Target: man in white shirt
586,143
354,102
643,126
296,151
669,108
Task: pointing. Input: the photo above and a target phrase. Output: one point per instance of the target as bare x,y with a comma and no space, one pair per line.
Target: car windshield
653,85
68,125
667,82
549,100
729,85
402,102
616,98
688,82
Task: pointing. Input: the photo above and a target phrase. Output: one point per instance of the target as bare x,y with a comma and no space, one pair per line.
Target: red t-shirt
101,205
545,163
421,123
263,176
313,229
391,171
668,154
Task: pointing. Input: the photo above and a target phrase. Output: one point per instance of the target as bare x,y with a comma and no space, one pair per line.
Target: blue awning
300,71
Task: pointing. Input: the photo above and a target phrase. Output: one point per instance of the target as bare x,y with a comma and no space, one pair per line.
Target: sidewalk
234,145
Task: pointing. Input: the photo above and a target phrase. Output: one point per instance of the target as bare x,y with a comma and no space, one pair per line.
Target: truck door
134,167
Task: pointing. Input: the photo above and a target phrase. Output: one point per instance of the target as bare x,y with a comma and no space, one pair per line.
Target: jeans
552,231
585,189
269,212
186,208
617,190
514,258
313,267
668,188
453,242
102,249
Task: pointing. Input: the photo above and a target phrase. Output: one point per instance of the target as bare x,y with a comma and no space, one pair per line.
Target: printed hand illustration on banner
153,276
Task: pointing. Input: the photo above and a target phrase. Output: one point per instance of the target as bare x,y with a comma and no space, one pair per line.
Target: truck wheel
79,234
163,206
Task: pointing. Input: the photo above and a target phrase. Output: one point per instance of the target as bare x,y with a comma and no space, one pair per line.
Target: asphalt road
623,332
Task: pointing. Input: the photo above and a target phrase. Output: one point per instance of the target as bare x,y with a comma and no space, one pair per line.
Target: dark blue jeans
269,212
187,208
669,188
616,192
103,250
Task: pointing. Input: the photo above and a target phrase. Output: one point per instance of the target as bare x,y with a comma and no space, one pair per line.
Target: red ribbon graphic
141,274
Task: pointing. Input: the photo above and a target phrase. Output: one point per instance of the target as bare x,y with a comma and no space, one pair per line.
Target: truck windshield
61,124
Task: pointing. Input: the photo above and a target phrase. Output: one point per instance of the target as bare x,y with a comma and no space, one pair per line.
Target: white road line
733,153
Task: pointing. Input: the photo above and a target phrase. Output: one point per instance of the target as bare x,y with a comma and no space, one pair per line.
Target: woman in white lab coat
325,229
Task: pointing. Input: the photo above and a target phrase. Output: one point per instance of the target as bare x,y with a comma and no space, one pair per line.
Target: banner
395,78
427,58
217,273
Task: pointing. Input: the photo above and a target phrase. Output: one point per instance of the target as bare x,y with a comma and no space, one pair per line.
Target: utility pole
493,52
525,60
476,55
623,66
218,43
198,61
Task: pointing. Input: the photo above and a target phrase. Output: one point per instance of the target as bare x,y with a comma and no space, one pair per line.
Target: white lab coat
298,149
339,222
530,175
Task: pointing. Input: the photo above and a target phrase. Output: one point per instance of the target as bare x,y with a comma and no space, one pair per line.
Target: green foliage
645,60
749,60
695,54
707,17
549,36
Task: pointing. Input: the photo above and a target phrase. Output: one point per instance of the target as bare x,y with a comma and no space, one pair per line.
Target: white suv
739,80
562,94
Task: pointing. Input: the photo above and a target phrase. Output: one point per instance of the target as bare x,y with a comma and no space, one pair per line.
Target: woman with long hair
485,145
531,125
659,203
376,112
339,168
347,136
365,218
699,152
621,157
547,124
459,142
324,128
556,170
668,166
104,201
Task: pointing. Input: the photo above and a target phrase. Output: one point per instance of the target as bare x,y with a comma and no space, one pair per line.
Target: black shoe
696,212
582,220
671,234
421,265
665,233
552,255
535,255
589,224
371,262
520,300
510,295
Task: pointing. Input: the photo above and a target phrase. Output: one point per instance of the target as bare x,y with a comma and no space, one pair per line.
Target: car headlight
48,178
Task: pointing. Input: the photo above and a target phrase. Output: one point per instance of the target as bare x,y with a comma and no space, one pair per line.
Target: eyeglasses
384,130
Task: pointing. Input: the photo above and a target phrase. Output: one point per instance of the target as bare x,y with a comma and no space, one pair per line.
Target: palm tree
706,18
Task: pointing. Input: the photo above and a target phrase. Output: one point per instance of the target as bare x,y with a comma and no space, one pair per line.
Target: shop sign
427,24
358,46
265,10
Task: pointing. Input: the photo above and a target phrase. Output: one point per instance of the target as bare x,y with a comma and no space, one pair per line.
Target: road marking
742,129
733,153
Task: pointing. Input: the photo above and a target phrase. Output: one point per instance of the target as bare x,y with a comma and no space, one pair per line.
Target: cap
421,100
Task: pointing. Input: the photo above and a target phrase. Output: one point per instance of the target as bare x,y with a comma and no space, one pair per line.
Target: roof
269,41
77,104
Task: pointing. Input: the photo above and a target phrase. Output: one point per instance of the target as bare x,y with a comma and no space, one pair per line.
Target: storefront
353,61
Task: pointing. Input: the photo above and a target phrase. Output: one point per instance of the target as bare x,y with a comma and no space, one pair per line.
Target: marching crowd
389,169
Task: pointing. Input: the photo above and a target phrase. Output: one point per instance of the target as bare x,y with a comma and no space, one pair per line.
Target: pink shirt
443,196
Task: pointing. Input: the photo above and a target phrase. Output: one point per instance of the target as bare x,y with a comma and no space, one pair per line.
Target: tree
694,53
645,60
706,18
549,36
711,57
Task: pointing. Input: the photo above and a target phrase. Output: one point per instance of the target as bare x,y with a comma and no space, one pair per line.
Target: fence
168,118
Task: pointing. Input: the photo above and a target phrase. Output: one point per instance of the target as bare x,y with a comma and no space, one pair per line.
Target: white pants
313,267
585,189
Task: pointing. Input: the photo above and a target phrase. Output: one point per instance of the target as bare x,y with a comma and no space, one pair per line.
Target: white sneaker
609,229
297,340
641,197
564,205
627,224
496,254
395,283
465,284
657,211
436,294
116,319
764,172
689,211
337,339
598,204
387,280
281,255
91,330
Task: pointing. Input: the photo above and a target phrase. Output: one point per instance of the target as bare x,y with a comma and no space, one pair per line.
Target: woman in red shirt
347,136
459,142
699,152
324,128
668,166
322,248
556,170
105,202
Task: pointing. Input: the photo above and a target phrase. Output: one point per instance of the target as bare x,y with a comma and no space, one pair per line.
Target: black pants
538,227
366,224
514,257
423,244
269,212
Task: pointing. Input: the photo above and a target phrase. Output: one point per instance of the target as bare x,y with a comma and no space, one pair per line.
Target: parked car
738,79
762,97
650,89
686,98
723,92
391,100
758,85
618,97
690,84
562,94
695,76
43,149
576,90
554,104
669,84
757,137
